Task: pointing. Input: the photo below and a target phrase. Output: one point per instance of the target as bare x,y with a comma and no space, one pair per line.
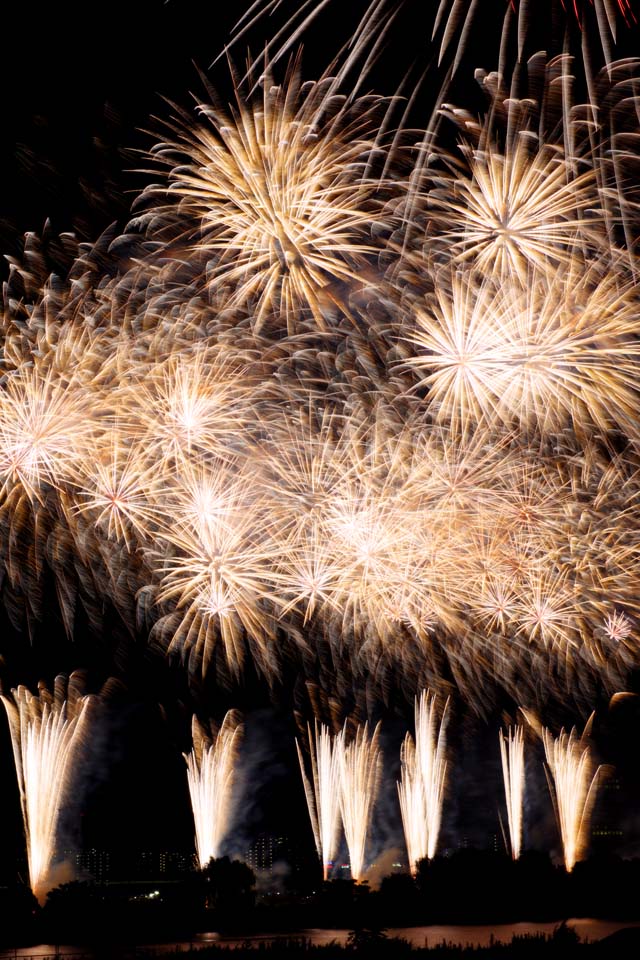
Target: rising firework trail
572,784
360,763
211,771
513,773
48,732
322,791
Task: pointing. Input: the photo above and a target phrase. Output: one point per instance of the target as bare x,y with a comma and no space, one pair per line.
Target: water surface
476,935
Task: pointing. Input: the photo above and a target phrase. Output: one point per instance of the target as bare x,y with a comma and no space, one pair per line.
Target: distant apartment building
101,866
163,864
607,835
95,863
265,851
275,859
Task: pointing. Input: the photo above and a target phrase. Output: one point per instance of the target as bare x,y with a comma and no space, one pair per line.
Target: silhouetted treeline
481,887
473,886
563,944
467,887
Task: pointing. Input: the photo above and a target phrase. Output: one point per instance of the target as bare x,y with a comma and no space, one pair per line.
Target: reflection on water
474,935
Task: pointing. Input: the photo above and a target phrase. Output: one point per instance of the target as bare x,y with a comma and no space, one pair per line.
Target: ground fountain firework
48,733
360,763
572,783
322,791
211,775
423,779
513,774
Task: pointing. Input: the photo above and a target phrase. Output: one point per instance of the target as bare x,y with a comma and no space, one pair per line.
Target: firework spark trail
572,784
513,773
47,734
322,792
360,764
454,26
211,771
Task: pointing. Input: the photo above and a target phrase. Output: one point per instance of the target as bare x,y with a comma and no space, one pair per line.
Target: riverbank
434,939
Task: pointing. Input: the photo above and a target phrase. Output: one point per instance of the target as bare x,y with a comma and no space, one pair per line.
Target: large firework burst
352,395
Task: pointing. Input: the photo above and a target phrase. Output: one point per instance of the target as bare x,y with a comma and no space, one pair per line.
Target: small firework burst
617,626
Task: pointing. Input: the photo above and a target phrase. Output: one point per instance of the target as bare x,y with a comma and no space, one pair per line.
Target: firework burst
349,394
275,197
517,210
541,358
